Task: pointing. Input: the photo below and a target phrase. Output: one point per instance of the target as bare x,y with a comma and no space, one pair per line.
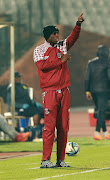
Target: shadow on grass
75,168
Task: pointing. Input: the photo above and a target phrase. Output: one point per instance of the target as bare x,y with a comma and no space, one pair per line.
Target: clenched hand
65,58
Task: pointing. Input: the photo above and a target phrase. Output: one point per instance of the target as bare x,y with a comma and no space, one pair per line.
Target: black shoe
61,163
47,164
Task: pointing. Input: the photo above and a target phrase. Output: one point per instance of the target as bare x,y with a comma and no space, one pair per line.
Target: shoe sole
97,139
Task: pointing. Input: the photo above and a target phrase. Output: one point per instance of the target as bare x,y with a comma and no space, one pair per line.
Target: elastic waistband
58,90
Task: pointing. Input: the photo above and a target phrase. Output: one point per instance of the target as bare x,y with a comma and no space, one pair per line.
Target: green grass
92,155
20,146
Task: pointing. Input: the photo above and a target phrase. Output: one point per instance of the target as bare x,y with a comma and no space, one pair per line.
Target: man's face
17,79
54,38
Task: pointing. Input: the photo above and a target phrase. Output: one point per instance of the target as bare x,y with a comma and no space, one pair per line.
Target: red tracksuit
54,81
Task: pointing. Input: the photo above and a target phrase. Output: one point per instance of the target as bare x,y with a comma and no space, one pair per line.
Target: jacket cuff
78,23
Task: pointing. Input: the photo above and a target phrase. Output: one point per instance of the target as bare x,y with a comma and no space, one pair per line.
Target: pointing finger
81,14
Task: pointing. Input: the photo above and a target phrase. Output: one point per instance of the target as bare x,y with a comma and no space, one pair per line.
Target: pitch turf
92,162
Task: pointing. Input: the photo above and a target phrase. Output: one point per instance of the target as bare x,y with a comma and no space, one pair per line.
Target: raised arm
72,38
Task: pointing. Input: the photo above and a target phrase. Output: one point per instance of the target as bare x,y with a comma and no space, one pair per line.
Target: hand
88,96
65,58
80,18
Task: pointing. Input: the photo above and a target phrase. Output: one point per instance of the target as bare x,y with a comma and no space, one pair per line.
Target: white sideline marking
69,162
34,168
73,173
27,164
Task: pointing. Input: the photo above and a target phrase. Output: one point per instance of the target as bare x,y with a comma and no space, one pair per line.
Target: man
97,87
51,60
24,106
11,132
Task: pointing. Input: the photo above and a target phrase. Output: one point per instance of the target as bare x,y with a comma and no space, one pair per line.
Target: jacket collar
48,44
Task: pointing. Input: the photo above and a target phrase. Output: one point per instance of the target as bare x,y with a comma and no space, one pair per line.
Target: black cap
17,74
48,30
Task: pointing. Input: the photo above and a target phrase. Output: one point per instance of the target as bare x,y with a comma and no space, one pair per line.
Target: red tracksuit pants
56,114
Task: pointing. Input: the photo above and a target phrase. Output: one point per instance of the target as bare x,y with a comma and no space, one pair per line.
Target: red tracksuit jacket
52,74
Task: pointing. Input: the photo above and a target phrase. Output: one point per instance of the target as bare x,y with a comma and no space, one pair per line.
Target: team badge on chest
59,55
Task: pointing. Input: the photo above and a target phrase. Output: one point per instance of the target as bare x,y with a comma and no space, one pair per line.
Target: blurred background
29,17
